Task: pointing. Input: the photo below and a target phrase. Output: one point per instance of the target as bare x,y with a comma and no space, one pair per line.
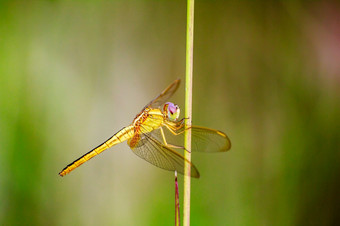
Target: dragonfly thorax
141,117
171,111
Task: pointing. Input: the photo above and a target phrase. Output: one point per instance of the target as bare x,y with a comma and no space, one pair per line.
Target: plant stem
188,109
177,213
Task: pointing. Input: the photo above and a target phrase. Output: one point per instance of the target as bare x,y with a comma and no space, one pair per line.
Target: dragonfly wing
165,95
209,140
202,139
151,150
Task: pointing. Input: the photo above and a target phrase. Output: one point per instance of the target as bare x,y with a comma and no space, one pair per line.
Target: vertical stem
188,109
177,213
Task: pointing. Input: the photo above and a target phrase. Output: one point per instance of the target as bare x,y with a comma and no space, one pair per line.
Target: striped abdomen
124,134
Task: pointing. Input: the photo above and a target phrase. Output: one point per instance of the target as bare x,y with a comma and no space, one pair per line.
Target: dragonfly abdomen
122,135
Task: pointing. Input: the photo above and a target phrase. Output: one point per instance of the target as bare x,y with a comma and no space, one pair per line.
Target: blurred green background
267,73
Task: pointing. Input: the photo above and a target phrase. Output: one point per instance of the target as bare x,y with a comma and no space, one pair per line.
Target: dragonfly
156,133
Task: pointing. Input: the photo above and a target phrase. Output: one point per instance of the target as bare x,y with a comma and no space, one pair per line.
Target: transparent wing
154,152
165,95
209,140
202,139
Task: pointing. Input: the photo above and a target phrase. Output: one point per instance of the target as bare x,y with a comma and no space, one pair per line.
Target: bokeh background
267,73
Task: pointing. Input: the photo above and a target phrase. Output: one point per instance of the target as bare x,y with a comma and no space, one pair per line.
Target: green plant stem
188,109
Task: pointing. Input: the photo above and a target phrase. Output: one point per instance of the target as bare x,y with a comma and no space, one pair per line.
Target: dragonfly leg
176,146
175,129
162,132
170,145
171,129
178,127
180,124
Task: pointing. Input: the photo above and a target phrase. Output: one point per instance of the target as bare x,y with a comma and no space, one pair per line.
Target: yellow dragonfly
156,132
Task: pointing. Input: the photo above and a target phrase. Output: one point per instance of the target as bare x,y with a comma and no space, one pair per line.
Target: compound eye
172,111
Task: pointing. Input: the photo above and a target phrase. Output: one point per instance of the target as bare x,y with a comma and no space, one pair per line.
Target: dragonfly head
171,110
